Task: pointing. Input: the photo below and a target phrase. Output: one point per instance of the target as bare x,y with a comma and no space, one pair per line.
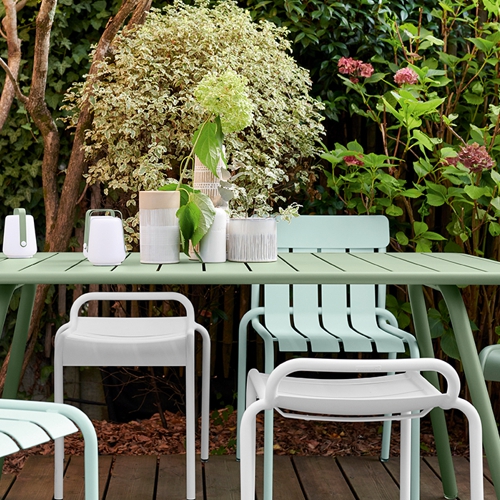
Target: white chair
326,318
405,395
150,341
24,424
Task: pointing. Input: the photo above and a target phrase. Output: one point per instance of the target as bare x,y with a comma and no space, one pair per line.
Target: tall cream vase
159,238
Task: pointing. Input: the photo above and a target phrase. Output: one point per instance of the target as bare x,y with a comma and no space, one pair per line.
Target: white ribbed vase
252,240
159,227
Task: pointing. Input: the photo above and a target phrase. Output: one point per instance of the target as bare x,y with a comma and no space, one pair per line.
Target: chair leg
386,441
406,460
268,427
268,453
190,427
415,459
242,380
247,448
475,447
205,394
58,468
58,443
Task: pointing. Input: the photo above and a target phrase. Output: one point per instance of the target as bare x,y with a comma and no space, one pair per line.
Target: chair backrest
348,306
128,296
334,233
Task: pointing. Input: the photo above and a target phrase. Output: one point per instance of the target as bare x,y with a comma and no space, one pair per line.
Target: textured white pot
159,238
252,240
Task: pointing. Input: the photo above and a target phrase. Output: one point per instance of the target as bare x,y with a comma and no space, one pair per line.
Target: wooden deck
296,478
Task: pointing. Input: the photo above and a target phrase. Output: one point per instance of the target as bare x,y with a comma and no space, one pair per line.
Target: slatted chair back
328,318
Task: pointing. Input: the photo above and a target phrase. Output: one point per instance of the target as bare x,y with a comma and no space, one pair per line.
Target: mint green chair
325,318
24,424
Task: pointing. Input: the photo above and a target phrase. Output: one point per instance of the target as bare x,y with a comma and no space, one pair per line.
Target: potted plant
227,109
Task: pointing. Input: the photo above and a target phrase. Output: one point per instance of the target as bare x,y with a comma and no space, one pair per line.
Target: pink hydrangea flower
475,157
451,161
365,70
405,75
353,160
347,65
354,68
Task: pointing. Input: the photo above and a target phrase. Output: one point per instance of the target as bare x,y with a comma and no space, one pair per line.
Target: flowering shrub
435,106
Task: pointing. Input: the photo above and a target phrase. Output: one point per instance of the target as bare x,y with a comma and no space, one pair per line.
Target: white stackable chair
24,424
324,318
405,394
118,341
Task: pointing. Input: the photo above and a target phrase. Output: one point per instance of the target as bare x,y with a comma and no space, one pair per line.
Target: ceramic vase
213,244
159,238
252,240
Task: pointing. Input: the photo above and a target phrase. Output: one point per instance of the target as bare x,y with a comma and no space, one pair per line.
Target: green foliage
322,32
434,102
145,110
436,160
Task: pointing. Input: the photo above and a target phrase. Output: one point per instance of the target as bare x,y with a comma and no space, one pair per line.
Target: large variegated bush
145,112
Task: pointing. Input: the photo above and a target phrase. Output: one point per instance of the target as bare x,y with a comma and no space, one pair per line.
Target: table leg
19,339
475,379
422,330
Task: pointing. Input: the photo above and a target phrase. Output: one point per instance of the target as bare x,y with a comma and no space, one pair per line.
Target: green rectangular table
444,271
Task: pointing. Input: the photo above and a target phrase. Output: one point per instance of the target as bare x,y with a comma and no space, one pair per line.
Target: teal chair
489,358
325,318
24,424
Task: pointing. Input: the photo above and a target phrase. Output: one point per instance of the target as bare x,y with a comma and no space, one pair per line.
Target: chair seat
376,396
98,341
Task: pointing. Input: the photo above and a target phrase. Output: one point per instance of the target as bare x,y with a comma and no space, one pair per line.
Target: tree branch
9,24
13,80
20,4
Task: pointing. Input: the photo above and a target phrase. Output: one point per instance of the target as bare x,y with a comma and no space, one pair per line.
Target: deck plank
430,484
295,478
132,478
321,478
283,474
35,481
222,478
5,483
369,478
74,487
172,478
